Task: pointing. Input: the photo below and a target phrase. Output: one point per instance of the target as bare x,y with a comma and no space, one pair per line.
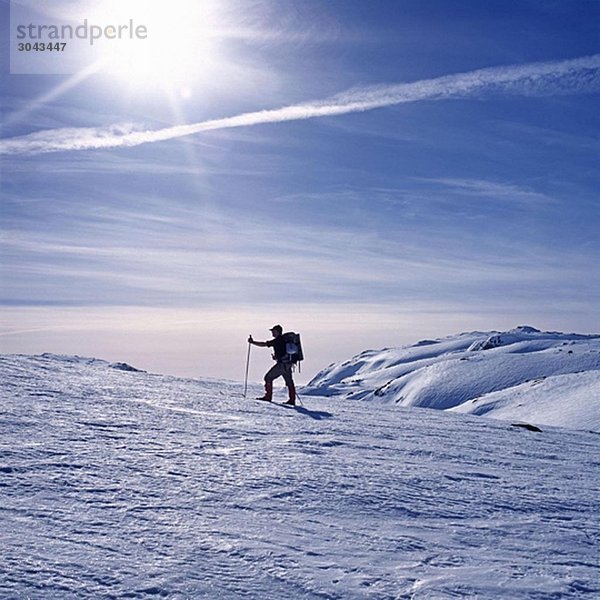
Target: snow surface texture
546,378
122,484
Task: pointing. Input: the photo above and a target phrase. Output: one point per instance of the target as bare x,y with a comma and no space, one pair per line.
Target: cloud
191,265
498,191
558,77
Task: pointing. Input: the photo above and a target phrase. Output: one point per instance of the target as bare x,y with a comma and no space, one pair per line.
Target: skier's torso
278,345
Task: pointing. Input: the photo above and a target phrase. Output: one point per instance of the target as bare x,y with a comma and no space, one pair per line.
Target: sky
366,173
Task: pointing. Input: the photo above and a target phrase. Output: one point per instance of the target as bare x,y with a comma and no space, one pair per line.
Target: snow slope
123,484
457,373
560,400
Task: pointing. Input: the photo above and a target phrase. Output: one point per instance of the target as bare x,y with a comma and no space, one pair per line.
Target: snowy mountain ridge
550,378
86,360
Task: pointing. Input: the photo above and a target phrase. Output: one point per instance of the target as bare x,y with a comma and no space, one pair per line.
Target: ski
275,403
299,408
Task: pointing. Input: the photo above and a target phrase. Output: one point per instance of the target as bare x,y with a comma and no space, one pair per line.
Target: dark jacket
279,348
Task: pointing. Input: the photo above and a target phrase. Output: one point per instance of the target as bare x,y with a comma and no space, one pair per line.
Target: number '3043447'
41,46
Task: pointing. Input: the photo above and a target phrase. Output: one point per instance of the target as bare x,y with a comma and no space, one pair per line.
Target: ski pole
247,367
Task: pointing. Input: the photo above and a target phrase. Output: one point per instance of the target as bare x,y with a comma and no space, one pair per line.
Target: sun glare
178,46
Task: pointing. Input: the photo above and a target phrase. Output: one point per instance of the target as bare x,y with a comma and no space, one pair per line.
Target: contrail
559,77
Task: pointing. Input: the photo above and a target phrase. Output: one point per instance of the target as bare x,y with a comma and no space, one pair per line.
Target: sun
179,45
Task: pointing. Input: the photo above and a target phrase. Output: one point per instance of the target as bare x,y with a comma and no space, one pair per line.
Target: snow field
132,485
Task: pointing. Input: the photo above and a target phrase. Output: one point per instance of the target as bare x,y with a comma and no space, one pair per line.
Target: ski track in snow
132,485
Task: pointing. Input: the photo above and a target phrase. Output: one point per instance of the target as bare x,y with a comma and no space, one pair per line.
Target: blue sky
452,183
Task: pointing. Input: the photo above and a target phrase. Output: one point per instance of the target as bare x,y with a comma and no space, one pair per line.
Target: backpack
293,347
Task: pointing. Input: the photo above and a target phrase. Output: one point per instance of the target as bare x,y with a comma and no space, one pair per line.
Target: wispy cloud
188,266
558,77
483,189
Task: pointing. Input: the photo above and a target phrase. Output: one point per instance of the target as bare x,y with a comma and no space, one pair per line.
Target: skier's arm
261,344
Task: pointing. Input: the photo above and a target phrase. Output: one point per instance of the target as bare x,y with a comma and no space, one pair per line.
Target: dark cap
277,327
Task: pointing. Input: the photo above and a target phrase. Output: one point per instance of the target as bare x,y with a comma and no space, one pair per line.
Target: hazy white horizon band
559,77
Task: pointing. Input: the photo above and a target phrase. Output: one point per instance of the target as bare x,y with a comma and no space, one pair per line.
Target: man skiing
282,367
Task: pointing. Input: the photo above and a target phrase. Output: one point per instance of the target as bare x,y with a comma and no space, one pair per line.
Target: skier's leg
268,391
291,393
273,373
289,381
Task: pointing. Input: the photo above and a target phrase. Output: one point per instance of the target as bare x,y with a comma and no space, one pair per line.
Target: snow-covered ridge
458,372
75,359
